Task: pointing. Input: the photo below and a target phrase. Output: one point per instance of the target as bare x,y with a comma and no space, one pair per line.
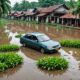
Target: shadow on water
29,70
35,54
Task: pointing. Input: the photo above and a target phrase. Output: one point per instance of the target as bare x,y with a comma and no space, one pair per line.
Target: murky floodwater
28,70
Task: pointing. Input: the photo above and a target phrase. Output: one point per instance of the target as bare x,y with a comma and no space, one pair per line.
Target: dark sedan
40,41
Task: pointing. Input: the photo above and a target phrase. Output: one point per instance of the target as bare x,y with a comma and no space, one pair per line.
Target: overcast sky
14,1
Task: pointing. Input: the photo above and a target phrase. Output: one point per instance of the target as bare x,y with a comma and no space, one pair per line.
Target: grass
9,47
9,60
3,22
70,43
52,63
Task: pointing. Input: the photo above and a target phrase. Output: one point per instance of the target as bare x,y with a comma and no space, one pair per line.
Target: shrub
9,60
18,36
3,66
70,43
9,47
52,63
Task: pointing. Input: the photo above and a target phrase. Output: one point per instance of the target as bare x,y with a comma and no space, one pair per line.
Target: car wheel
42,50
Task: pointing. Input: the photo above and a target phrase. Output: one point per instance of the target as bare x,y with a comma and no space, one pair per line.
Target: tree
4,6
34,5
17,7
24,5
72,4
46,3
78,8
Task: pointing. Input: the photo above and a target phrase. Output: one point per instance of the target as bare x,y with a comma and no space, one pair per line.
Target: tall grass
9,47
70,43
52,63
9,60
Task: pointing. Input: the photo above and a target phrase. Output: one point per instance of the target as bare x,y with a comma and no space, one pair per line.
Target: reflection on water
10,72
75,52
29,70
54,33
34,54
73,63
3,37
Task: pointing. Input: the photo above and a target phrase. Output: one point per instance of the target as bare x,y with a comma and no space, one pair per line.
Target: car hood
50,43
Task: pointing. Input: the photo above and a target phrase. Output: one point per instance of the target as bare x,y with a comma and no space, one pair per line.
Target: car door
28,40
35,42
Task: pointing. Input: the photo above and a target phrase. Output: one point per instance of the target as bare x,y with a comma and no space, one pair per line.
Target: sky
14,1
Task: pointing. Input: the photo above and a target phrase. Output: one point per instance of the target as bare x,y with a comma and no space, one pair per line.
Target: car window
43,38
31,37
34,38
26,36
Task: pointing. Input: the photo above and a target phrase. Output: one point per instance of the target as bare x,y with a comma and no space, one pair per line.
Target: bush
70,43
18,36
52,63
3,66
9,47
9,60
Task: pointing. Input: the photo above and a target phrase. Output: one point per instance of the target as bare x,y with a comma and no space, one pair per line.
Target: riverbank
46,24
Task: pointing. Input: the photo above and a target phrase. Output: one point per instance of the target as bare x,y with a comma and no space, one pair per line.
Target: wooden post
37,19
57,20
47,20
62,20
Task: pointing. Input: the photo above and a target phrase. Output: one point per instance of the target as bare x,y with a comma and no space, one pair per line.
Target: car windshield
43,38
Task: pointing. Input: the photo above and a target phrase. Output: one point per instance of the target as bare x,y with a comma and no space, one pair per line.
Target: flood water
28,70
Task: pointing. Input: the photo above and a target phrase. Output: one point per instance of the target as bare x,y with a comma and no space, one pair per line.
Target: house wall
54,16
61,10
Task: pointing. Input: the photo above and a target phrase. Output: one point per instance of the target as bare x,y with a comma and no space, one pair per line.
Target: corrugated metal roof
50,9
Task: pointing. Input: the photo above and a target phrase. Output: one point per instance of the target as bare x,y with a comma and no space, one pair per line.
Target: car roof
36,33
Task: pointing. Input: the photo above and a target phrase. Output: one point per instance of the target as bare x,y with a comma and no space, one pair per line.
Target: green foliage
4,6
70,3
46,3
24,5
17,7
52,63
78,7
2,22
70,43
34,5
9,47
9,60
3,66
18,36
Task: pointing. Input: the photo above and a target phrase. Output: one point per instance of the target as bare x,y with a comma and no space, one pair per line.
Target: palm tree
4,6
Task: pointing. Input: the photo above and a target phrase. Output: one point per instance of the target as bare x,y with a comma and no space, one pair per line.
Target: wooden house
16,15
29,15
69,19
51,14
